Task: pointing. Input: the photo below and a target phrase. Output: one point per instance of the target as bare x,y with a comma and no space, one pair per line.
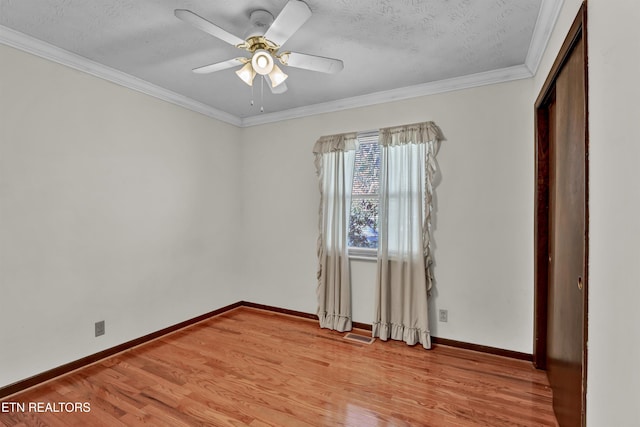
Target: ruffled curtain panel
334,161
404,253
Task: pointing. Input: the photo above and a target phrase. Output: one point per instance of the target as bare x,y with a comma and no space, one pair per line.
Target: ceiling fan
264,46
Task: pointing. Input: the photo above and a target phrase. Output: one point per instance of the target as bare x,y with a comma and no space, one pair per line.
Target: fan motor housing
260,21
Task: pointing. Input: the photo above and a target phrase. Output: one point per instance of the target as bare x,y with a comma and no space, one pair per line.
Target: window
363,222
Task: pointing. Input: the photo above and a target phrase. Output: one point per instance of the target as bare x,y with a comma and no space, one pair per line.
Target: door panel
562,227
567,231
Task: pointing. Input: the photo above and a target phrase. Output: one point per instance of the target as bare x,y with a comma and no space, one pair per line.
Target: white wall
613,389
613,378
483,225
113,206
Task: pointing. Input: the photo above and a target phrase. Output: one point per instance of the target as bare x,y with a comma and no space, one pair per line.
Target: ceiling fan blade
206,26
281,88
292,17
311,62
220,66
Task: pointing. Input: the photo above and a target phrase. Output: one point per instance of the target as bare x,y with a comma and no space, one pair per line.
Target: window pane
363,225
366,177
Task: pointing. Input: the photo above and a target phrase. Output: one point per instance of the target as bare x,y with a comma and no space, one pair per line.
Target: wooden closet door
561,227
567,232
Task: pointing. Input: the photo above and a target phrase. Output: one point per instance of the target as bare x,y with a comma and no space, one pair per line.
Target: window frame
354,252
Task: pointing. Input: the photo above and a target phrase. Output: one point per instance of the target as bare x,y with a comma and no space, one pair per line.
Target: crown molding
546,22
448,85
45,50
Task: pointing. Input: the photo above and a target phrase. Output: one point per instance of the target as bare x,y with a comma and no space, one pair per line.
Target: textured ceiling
385,44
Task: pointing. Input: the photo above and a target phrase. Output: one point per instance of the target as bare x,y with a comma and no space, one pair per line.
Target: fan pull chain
252,95
262,95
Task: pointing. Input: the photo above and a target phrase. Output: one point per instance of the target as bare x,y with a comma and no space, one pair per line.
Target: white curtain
334,160
404,254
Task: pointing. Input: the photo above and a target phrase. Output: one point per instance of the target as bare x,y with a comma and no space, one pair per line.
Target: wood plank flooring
250,367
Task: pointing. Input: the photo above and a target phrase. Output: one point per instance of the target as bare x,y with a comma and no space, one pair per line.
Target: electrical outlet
443,315
100,328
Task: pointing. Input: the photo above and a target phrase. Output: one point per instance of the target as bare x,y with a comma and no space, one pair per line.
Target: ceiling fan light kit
264,47
262,62
246,73
277,76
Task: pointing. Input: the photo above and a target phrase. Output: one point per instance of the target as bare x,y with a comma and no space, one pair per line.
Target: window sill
363,254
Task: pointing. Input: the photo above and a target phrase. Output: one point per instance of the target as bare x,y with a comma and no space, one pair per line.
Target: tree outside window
363,224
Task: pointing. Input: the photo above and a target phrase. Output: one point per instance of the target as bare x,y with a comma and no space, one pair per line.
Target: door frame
577,32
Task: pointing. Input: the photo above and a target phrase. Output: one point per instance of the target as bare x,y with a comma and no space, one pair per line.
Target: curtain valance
340,142
416,133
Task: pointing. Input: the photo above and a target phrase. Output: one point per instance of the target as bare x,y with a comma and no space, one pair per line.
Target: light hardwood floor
259,368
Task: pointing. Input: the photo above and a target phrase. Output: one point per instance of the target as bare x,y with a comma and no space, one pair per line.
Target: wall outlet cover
99,328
